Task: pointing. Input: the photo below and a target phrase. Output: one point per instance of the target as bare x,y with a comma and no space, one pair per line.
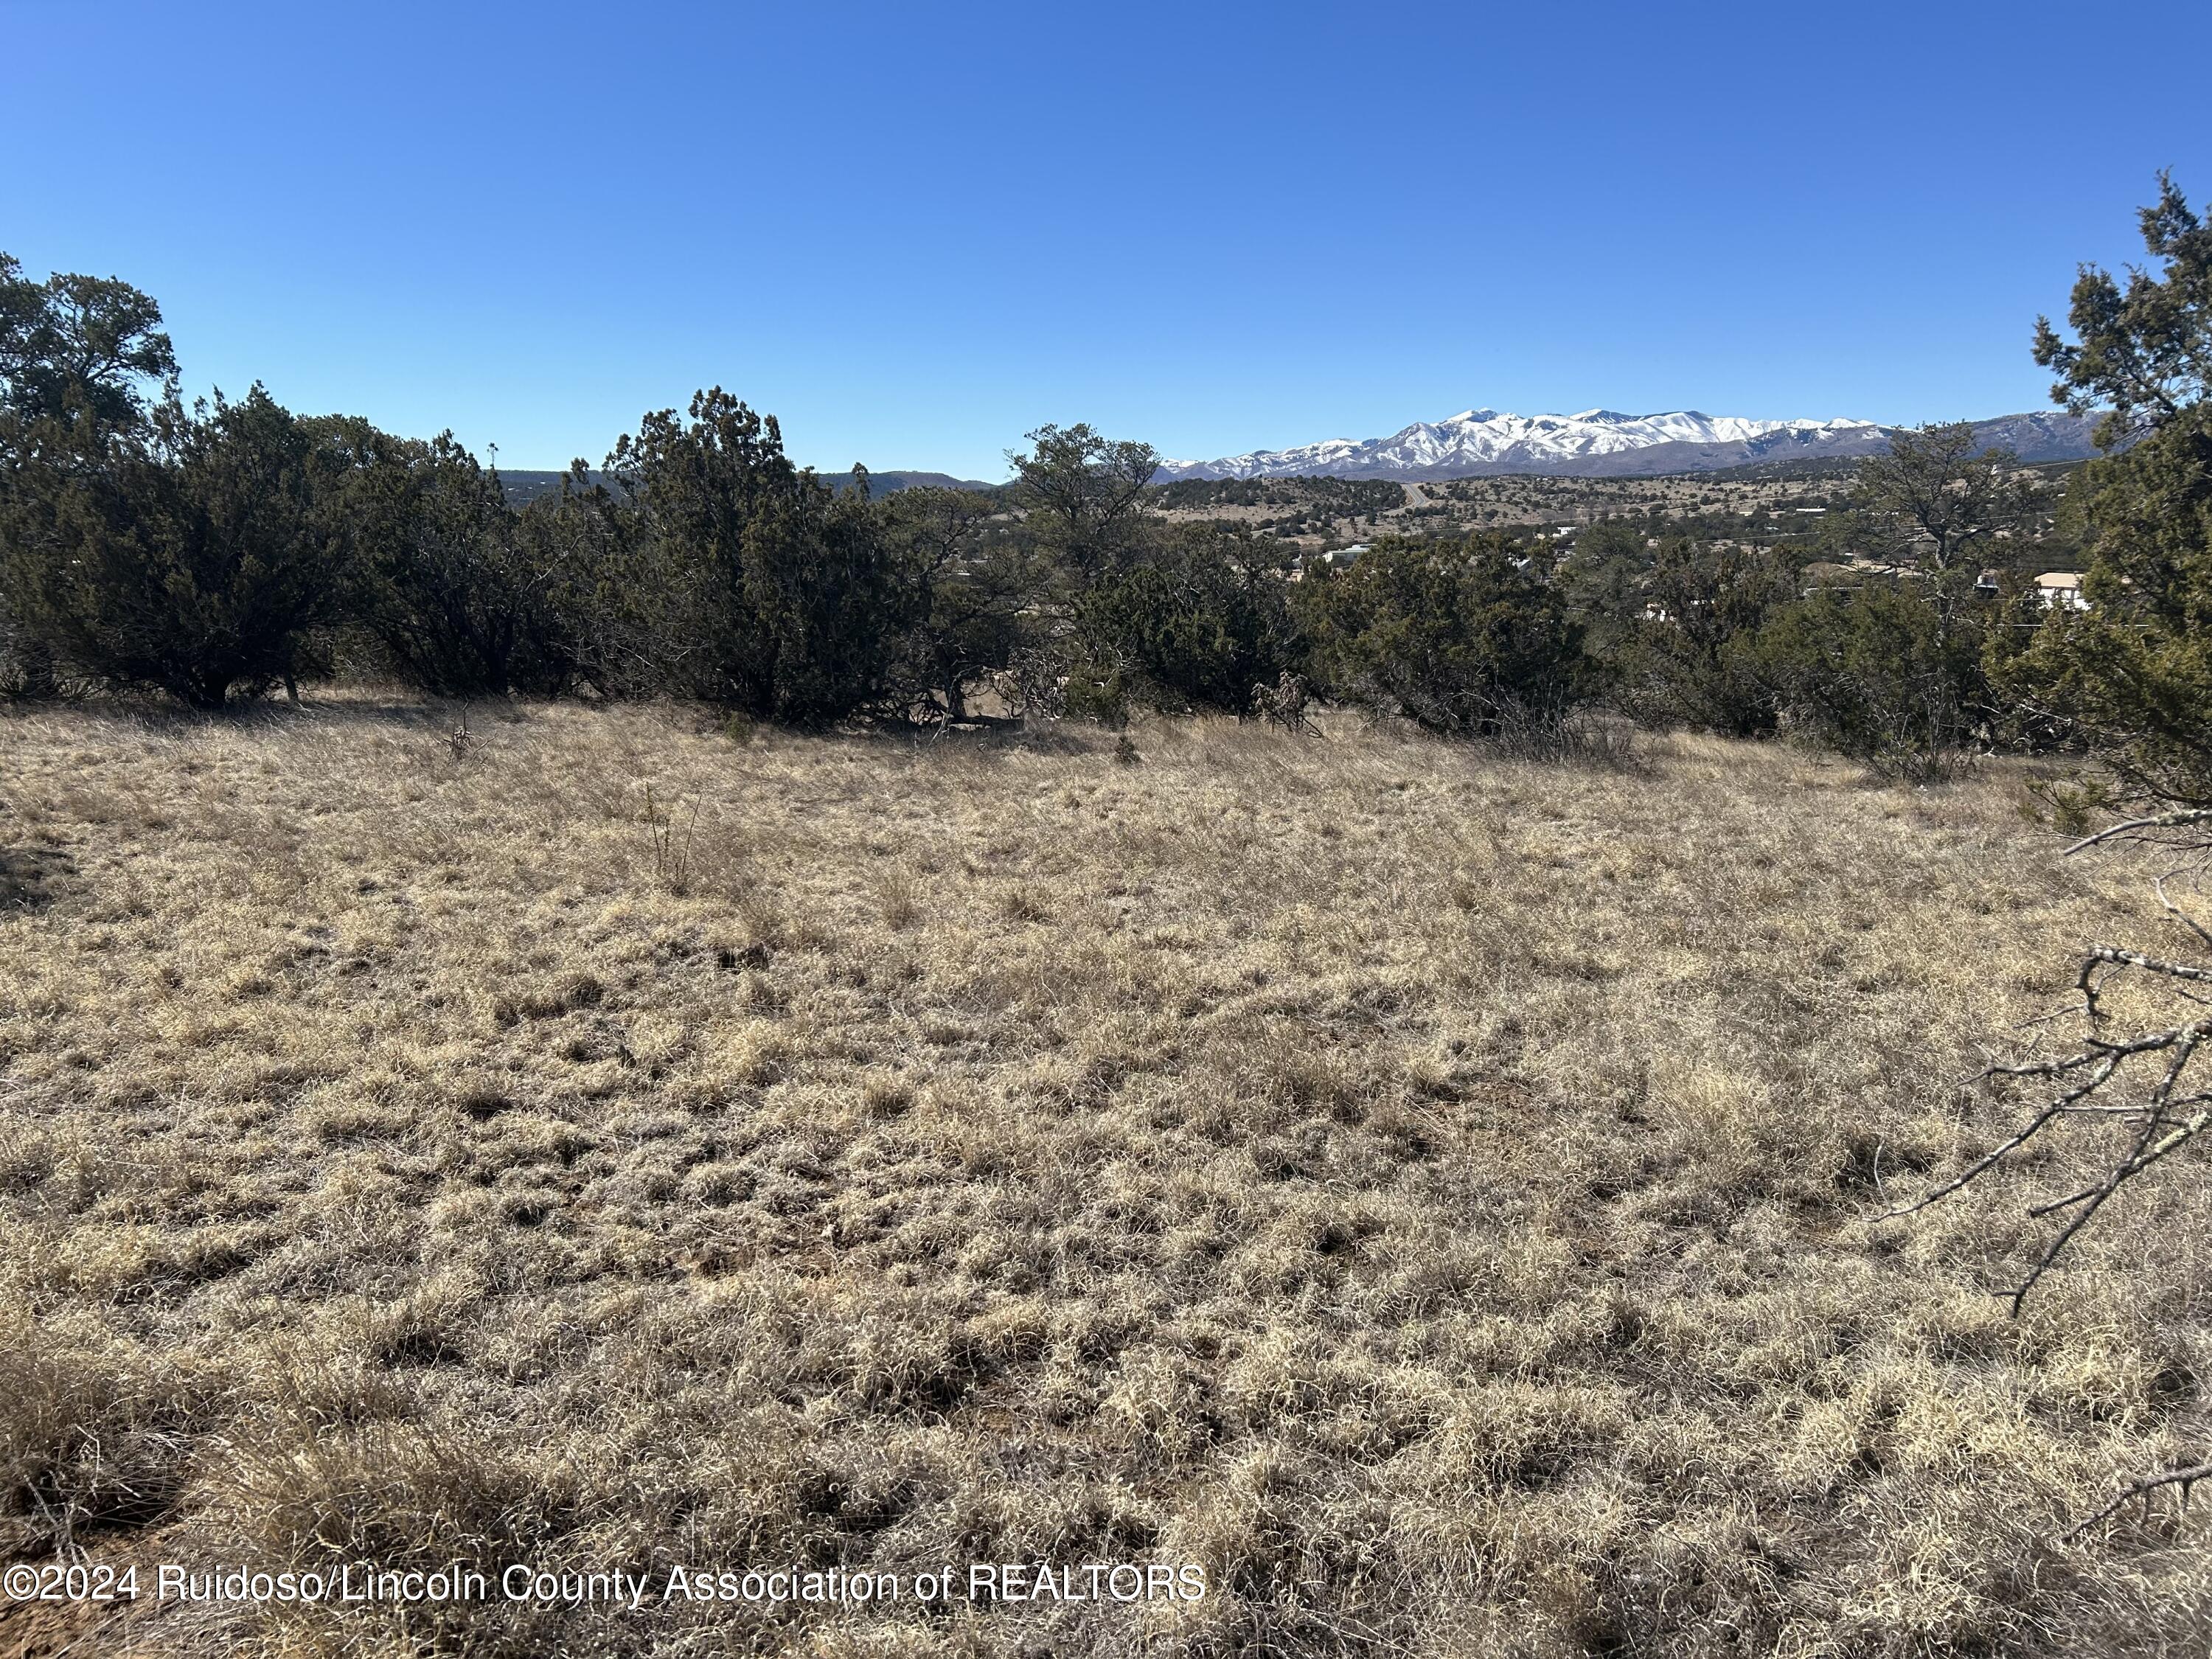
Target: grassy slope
1433,1193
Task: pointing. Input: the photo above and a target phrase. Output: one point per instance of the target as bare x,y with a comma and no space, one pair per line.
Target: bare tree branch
2136,826
2108,1075
2142,1488
2177,912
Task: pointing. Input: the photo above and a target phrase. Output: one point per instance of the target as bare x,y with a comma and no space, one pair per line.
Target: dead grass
1435,1193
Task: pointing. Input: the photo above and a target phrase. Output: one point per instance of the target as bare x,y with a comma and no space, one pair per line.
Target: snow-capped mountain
1599,442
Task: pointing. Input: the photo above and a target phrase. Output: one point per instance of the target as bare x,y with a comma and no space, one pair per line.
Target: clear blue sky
915,231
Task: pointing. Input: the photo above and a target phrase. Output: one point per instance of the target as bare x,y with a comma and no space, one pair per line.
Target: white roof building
2061,588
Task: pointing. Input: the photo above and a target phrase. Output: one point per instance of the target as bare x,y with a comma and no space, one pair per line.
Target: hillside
1761,503
522,487
1603,443
1437,1199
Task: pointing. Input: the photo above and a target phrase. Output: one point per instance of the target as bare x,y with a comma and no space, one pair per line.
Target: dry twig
2185,1479
2140,1078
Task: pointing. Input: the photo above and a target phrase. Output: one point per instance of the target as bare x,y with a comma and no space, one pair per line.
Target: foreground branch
2148,1081
2143,1488
2135,827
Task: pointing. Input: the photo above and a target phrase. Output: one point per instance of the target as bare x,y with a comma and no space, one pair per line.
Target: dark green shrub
457,599
1691,656
975,585
2132,675
203,559
1464,637
1870,671
750,583
1195,625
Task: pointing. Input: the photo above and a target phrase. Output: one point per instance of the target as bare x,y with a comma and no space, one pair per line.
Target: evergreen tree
1083,495
199,560
1889,669
976,584
76,349
1464,638
2132,675
777,596
78,357
1602,579
1867,668
1693,655
1196,625
445,580
619,627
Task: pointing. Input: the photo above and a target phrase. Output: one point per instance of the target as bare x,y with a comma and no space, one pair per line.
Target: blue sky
913,232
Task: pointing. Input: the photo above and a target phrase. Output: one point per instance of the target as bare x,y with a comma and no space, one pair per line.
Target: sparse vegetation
798,1036
1440,1195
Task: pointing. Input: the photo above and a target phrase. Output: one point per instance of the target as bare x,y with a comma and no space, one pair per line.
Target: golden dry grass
1434,1195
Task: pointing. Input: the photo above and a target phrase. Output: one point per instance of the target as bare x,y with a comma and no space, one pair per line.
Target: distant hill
1601,443
885,484
525,487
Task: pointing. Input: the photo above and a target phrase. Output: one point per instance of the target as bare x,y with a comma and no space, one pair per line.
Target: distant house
2062,589
1827,576
1332,558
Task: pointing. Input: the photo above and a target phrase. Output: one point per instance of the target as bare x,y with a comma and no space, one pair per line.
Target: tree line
232,549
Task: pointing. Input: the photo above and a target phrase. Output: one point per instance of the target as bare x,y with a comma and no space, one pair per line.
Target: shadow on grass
33,877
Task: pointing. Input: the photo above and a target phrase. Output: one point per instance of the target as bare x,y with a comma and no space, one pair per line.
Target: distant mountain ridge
1605,443
521,488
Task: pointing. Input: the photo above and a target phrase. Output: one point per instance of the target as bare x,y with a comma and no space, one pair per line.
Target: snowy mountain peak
1601,440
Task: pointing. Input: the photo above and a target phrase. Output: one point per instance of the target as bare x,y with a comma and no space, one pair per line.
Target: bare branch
2114,954
2133,826
2142,1488
2020,1138
2176,911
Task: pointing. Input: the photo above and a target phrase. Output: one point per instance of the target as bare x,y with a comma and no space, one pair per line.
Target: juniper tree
456,597
199,559
1084,495
1464,638
79,358
974,583
2132,674
1196,624
777,595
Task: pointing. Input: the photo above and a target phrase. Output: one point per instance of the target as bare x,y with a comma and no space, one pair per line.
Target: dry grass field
1436,1195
